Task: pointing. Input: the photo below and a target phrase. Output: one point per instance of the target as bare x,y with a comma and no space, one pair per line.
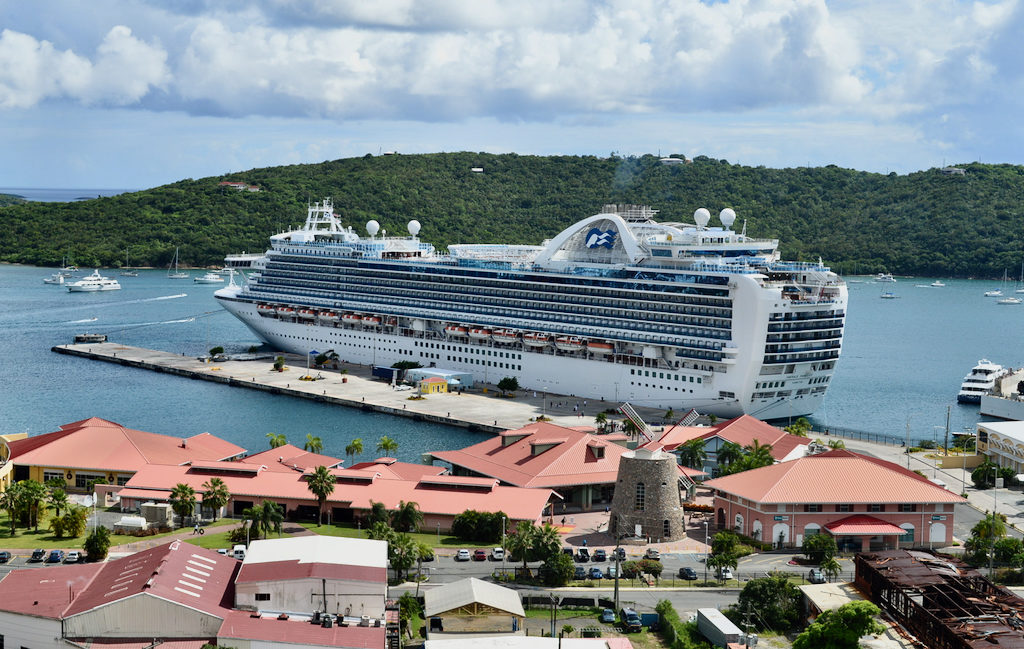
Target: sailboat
1020,282
1008,299
128,272
176,274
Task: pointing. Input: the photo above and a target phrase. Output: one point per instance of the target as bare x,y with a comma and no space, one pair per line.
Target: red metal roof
863,525
283,458
44,593
391,469
829,478
103,445
240,625
742,430
288,570
570,461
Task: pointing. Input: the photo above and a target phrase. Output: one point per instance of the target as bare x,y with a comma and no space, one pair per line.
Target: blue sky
137,93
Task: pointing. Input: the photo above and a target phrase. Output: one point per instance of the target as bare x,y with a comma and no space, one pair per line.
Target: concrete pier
352,385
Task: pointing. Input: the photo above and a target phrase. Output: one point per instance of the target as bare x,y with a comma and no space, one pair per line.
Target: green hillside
925,223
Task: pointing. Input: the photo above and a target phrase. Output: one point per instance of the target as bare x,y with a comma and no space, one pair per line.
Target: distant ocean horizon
59,194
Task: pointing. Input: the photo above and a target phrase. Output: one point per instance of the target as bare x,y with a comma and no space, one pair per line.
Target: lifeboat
595,347
285,311
536,340
391,322
479,334
329,316
504,336
266,310
371,320
569,343
352,318
306,314
455,330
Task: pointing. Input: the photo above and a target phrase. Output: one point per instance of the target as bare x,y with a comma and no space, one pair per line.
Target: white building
302,575
1003,443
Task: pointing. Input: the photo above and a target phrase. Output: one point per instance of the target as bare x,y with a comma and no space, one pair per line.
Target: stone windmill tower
647,495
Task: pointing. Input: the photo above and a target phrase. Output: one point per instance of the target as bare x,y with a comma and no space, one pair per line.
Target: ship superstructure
617,307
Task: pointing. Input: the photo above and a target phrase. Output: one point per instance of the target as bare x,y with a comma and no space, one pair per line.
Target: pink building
864,502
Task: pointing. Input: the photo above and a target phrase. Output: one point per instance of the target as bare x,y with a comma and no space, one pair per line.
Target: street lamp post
503,545
706,546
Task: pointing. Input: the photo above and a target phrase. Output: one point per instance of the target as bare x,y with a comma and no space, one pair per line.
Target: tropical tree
819,547
387,445
407,517
321,484
719,562
558,570
380,531
9,504
313,444
693,453
629,427
403,553
57,499
183,500
215,495
277,440
33,499
266,517
378,514
991,528
72,523
408,608
800,427
831,568
758,455
841,628
725,542
836,444
97,544
520,543
355,447
729,453
547,542
601,419
508,384
776,600
984,476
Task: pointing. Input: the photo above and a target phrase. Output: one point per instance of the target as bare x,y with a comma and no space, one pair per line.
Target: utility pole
618,535
945,445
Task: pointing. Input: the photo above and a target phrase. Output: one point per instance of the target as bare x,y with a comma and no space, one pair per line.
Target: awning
861,525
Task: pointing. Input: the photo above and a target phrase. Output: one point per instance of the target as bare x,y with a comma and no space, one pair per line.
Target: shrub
97,544
676,633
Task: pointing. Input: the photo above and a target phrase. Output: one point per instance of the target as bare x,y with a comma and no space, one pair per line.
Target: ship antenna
744,233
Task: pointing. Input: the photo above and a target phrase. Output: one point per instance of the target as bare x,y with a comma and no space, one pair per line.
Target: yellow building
433,385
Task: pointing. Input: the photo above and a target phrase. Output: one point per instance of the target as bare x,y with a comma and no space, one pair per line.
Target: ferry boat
617,307
93,283
980,381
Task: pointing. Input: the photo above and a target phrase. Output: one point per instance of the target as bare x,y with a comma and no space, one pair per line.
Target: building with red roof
580,466
742,431
291,458
865,502
440,498
389,467
97,449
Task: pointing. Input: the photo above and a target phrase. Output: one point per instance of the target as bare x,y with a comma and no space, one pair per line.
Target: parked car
579,573
725,574
570,552
56,556
74,556
497,554
595,573
600,555
582,555
608,616
223,551
610,573
462,555
5,556
652,554
621,552
816,576
479,555
687,573
37,556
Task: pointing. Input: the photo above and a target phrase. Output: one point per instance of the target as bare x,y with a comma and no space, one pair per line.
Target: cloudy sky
136,93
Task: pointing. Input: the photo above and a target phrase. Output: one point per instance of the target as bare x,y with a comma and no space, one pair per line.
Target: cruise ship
617,308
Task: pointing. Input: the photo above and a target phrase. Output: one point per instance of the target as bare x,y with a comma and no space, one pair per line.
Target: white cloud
123,71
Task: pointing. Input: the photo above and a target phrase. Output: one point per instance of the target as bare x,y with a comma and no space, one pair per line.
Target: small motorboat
208,278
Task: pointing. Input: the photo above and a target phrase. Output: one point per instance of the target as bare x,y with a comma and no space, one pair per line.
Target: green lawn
219,540
44,538
431,539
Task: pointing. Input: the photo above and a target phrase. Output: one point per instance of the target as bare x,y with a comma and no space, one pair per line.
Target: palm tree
758,455
990,529
215,495
520,543
321,483
355,447
547,542
313,444
831,568
378,513
601,420
387,445
836,443
692,453
33,499
407,517
9,504
58,500
728,453
403,552
277,440
183,500
265,518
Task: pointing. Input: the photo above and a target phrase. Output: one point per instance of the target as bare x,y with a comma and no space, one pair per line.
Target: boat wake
82,320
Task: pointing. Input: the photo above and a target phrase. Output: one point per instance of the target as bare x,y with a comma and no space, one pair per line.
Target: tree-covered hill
925,223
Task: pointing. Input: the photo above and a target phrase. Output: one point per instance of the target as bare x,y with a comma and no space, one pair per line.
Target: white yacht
980,381
56,278
211,277
616,307
94,282
885,277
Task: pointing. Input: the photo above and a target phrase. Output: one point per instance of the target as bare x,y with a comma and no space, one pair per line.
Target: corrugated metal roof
863,525
468,591
239,625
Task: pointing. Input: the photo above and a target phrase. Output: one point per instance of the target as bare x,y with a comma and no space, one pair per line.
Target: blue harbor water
903,361
59,195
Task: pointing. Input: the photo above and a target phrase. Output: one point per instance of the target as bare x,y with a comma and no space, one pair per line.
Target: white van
238,552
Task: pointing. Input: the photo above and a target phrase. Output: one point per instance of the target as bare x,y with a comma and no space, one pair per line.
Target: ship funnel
701,217
727,217
372,227
414,227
